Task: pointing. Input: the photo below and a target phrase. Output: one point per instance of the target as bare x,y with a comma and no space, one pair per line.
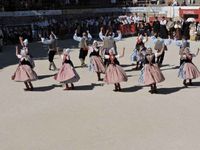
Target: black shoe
151,91
115,90
191,84
185,84
100,79
27,89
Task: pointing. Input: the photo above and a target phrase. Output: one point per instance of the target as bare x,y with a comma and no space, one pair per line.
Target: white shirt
77,38
118,38
163,22
46,41
108,56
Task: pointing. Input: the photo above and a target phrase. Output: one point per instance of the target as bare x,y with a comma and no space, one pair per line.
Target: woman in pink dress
24,72
188,70
67,74
151,73
96,62
114,72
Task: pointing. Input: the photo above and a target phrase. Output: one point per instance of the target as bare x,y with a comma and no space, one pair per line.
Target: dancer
52,45
182,45
83,45
188,71
24,46
114,72
139,51
67,74
109,41
96,63
24,72
159,43
151,73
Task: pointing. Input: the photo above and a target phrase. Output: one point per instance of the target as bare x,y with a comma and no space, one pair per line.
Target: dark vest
147,61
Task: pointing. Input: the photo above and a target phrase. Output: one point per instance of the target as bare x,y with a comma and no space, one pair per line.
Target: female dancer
96,63
24,45
139,51
24,72
151,73
188,70
114,73
67,74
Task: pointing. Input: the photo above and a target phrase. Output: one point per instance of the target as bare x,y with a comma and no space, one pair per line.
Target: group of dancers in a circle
104,59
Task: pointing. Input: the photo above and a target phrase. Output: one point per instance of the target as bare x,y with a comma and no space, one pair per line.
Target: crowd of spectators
62,26
18,5
129,24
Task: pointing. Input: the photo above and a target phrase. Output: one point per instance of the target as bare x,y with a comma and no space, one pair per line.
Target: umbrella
190,20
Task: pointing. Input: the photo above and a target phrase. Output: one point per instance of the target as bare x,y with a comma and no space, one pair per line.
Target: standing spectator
170,27
193,31
177,27
156,26
163,29
185,29
144,17
147,28
1,39
198,31
175,3
136,20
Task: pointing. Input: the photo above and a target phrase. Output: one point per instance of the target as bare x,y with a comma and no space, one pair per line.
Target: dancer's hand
101,29
118,31
20,38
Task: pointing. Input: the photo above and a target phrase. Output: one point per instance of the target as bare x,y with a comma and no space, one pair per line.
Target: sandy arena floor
93,117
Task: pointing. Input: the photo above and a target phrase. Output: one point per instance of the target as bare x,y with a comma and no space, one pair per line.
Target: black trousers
51,55
83,54
160,58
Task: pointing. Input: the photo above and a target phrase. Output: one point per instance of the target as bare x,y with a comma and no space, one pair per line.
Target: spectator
1,39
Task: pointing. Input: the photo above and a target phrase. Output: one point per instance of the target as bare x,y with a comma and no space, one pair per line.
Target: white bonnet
66,51
95,42
25,42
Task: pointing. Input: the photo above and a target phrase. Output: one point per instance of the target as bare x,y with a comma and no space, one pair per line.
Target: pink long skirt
67,74
115,74
152,74
191,71
96,64
24,73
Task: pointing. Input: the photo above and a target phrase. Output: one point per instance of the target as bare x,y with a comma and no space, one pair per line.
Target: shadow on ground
45,88
86,87
131,89
166,91
40,77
